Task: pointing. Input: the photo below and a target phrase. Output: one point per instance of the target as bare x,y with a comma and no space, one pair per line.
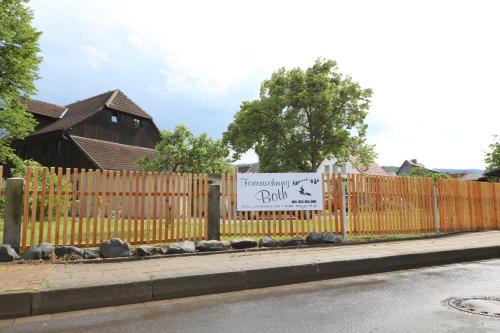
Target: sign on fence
279,191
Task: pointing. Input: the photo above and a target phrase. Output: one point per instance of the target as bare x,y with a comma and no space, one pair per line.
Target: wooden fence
374,205
468,205
85,207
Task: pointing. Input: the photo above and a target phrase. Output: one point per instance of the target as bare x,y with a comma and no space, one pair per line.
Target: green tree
492,157
422,172
303,117
19,62
180,151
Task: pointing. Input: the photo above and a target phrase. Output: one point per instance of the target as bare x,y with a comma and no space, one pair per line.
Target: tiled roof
77,112
44,109
81,110
373,169
376,170
113,156
118,101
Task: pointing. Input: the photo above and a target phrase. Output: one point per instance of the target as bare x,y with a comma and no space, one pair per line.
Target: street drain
483,306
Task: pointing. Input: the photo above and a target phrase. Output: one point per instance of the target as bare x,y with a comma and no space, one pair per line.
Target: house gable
118,127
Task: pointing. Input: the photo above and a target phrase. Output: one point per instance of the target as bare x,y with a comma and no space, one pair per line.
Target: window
327,169
335,168
137,123
114,117
344,168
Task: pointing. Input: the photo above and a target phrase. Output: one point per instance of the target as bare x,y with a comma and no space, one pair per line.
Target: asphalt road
406,301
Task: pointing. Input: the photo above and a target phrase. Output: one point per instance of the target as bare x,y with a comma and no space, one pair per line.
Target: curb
59,300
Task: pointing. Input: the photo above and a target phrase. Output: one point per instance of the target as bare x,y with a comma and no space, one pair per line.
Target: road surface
406,301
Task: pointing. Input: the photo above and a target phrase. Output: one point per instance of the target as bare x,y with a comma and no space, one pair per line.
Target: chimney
414,161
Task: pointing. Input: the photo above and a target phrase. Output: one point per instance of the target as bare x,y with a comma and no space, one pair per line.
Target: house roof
81,110
246,168
112,156
44,108
414,163
494,172
473,177
373,169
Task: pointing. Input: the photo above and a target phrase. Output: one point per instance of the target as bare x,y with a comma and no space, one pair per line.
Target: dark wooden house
108,132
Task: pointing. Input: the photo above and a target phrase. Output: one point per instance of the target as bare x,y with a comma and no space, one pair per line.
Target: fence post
436,212
213,212
344,211
13,212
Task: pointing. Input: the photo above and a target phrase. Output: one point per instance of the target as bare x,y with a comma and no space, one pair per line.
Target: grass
239,229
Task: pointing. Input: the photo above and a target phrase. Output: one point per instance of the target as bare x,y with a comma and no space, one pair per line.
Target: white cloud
96,57
433,65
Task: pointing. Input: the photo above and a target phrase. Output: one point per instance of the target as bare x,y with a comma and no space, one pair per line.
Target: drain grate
482,305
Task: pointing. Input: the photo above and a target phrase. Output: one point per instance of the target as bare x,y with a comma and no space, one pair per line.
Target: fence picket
50,206
42,206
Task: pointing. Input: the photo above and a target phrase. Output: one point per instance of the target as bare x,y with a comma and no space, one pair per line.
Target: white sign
279,191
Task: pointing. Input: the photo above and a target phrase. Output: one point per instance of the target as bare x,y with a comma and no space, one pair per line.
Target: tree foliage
180,151
422,172
492,157
303,117
19,62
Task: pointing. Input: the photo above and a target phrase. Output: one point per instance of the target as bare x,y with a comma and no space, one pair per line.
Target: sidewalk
36,288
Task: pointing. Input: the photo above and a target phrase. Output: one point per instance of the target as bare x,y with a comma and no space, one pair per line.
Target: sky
433,65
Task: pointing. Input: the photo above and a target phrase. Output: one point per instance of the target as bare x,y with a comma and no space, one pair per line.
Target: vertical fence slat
130,210
177,220
102,209
97,183
74,189
148,208
42,205
161,177
123,205
205,201
90,178
60,189
155,205
50,216
117,207
80,206
143,204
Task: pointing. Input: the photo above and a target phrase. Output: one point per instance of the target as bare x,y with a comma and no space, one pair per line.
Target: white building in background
327,166
331,166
